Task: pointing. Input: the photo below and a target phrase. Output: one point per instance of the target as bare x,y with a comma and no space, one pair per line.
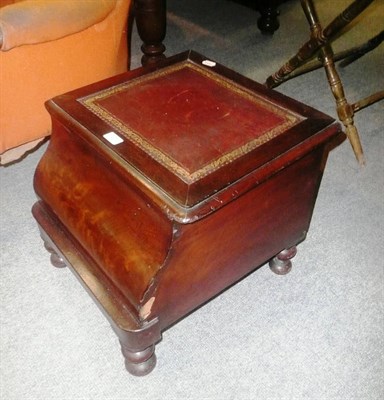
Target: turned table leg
150,18
281,264
268,22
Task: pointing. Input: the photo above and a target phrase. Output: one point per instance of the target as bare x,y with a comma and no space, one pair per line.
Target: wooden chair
320,44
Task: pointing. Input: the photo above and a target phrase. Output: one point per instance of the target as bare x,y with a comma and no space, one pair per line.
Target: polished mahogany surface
165,185
192,126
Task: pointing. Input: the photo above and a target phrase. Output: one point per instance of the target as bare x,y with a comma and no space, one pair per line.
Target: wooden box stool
163,186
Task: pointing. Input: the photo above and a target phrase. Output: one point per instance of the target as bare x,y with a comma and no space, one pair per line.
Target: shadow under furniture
151,23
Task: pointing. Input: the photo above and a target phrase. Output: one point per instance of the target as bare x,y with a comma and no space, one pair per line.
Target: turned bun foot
139,363
281,264
56,260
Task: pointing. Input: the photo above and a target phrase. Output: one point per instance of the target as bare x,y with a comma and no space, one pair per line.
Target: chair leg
320,42
344,109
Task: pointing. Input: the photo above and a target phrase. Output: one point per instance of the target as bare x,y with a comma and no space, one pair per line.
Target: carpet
316,333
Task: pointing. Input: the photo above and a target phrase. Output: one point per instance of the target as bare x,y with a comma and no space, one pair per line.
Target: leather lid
192,126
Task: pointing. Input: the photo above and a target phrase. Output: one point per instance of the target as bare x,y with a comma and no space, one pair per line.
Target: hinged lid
190,125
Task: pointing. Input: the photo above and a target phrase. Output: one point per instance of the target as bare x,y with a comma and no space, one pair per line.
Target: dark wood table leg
150,18
268,22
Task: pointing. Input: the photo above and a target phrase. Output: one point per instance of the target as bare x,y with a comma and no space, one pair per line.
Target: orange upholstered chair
48,47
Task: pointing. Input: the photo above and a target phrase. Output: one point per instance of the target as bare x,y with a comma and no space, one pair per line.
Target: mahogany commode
163,186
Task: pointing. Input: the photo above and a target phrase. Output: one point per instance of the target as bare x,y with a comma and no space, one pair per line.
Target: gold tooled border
290,119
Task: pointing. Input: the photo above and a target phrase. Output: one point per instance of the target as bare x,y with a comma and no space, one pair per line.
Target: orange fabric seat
49,47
